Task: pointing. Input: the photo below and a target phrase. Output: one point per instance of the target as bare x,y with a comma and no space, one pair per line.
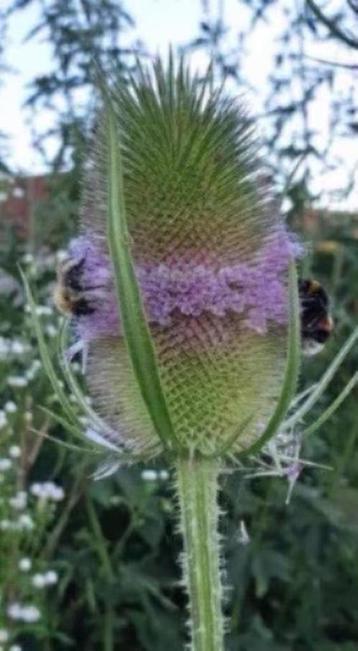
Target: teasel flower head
210,256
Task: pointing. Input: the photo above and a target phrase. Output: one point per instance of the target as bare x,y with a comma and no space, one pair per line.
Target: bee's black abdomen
316,324
321,336
73,277
82,308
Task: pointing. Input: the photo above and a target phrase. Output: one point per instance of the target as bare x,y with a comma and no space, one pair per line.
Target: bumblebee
71,295
316,323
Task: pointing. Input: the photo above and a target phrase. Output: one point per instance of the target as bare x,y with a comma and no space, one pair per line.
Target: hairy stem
197,483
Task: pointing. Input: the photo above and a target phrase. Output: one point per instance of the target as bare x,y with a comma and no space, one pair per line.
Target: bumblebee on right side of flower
316,322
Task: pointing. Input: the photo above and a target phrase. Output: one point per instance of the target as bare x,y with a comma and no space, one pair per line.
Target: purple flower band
255,290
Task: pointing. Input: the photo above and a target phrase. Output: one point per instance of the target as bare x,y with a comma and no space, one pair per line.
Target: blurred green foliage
114,544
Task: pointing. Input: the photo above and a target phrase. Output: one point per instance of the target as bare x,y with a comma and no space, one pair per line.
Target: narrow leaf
137,336
324,382
332,407
292,366
46,357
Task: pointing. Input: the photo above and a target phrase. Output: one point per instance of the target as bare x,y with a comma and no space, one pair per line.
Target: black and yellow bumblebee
74,298
316,322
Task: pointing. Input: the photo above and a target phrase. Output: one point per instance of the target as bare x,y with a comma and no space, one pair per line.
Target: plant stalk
197,484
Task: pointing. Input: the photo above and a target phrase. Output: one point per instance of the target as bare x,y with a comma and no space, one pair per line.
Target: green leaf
292,366
333,406
46,357
324,382
137,335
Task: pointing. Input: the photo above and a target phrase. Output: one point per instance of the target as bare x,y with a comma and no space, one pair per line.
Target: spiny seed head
211,256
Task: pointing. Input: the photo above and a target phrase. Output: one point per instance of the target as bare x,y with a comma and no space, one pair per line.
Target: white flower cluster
13,348
42,580
47,490
44,310
43,261
25,564
23,612
155,475
10,407
14,451
23,523
19,501
5,464
17,381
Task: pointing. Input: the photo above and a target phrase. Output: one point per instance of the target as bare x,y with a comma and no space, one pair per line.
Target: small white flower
30,614
17,381
5,464
4,635
15,647
54,492
25,564
149,475
15,451
163,474
10,407
51,577
61,255
39,581
19,501
25,522
36,489
18,348
51,330
47,491
28,258
5,524
14,611
25,613
43,310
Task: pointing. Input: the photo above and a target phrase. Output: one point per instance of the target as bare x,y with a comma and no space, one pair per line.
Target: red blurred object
19,198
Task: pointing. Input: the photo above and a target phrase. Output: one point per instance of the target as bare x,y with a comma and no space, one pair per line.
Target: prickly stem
197,486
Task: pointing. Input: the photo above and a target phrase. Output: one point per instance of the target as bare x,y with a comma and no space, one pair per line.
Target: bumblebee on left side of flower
71,295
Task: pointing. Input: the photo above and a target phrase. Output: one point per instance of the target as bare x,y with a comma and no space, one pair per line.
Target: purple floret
255,290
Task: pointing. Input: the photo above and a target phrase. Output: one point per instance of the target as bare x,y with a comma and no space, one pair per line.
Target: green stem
197,483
